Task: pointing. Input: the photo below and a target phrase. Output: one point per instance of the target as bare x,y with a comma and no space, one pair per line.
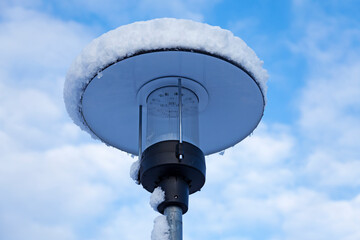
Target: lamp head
201,89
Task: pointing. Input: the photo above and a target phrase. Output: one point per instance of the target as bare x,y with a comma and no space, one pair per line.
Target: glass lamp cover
163,116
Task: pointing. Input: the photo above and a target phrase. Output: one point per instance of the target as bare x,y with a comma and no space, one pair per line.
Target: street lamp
170,91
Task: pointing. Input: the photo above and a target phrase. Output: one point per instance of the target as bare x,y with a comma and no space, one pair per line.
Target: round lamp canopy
142,63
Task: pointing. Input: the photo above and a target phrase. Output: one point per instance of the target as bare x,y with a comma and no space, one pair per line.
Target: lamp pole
194,89
174,217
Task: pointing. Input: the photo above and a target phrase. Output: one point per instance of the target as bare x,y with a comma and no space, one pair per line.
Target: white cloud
293,190
145,9
63,188
295,213
35,52
241,184
275,142
328,168
34,42
315,217
17,227
332,102
281,178
180,9
329,103
193,9
110,13
48,191
129,223
243,25
18,106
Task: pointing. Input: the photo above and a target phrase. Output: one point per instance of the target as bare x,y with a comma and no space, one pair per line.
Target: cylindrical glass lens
163,116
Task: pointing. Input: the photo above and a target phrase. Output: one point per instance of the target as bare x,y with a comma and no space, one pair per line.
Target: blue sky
296,177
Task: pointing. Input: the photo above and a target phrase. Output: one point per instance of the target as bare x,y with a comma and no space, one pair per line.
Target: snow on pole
134,171
161,230
157,197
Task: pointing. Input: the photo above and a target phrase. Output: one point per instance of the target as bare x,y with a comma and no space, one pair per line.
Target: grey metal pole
180,110
180,115
174,217
140,131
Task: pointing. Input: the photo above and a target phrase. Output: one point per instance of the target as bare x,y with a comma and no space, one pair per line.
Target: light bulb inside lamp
163,121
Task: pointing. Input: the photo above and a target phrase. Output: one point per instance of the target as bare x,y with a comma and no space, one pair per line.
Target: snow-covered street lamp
170,91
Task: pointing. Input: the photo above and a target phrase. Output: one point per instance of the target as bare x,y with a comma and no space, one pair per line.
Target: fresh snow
134,171
157,197
152,35
161,230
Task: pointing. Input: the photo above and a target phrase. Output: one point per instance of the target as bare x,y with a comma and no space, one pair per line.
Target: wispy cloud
329,103
280,183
